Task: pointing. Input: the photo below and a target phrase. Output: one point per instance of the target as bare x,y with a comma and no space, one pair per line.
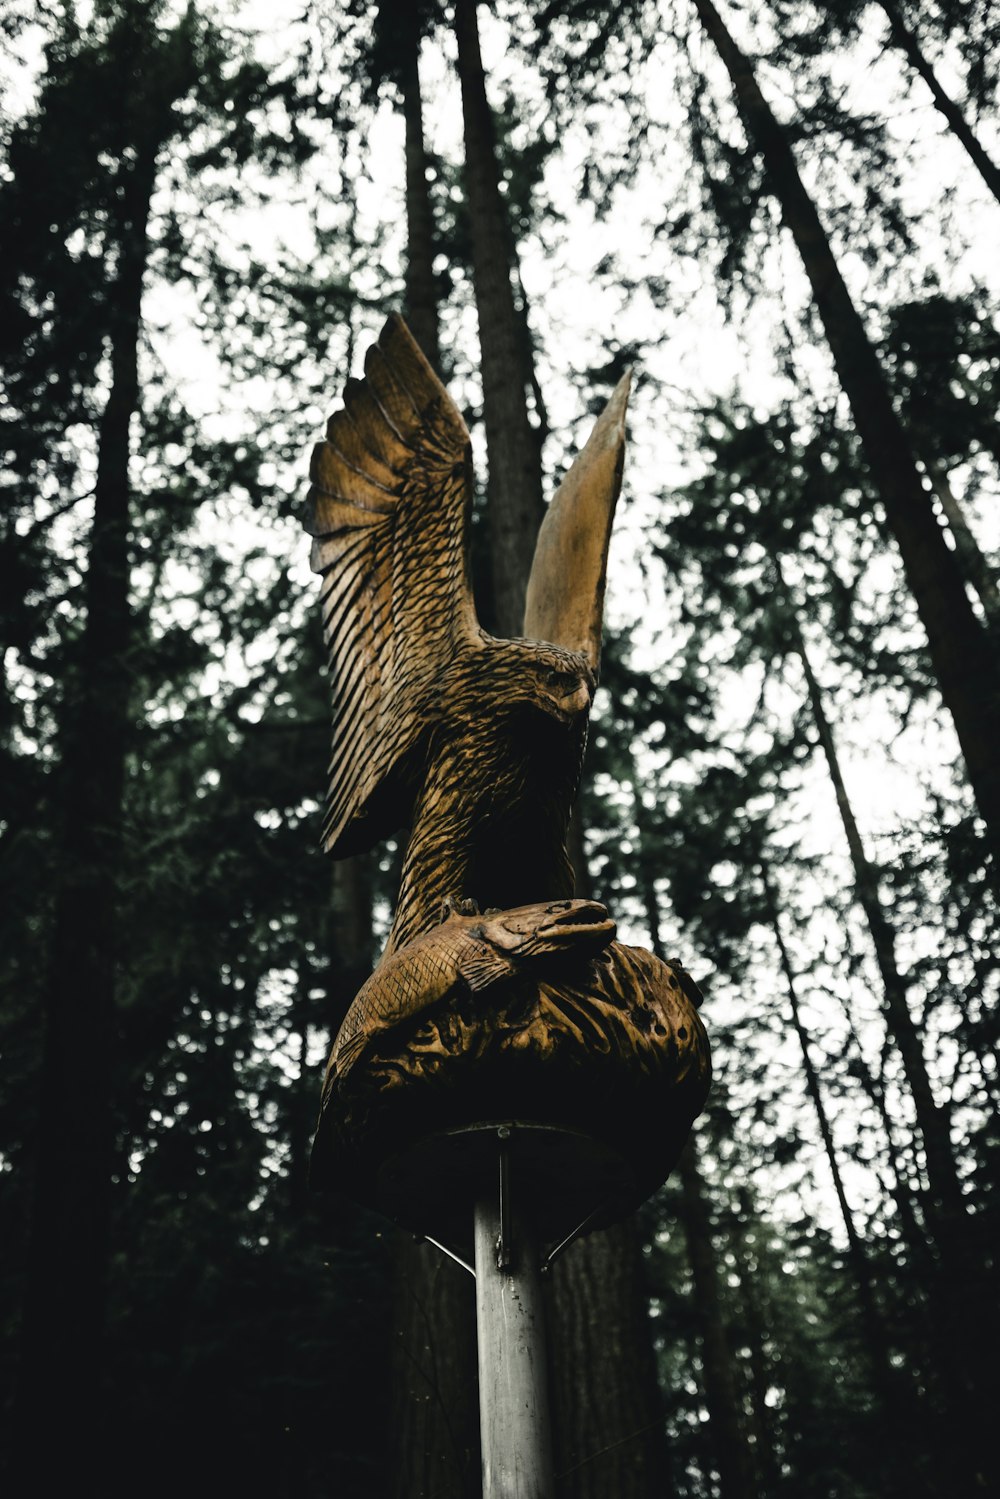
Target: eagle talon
456,906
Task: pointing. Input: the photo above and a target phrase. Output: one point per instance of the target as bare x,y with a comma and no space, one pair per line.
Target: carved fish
473,951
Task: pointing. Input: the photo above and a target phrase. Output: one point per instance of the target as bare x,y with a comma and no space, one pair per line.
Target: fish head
556,926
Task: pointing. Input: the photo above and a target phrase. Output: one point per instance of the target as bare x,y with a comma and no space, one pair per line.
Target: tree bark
905,39
435,1415
608,1415
345,936
967,672
421,297
609,1423
515,479
60,1416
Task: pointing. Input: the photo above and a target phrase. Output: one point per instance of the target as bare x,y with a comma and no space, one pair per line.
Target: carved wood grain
611,1046
476,744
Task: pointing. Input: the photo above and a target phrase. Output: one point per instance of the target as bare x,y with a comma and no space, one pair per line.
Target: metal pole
513,1373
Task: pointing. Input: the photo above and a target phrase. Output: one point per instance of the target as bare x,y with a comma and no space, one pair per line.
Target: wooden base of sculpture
609,1050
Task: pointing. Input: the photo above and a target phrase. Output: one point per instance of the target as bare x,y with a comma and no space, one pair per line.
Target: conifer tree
123,99
904,34
965,667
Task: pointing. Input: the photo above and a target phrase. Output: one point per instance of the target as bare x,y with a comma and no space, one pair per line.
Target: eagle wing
565,598
388,511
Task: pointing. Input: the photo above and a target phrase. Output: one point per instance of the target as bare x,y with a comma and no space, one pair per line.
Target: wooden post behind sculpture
499,997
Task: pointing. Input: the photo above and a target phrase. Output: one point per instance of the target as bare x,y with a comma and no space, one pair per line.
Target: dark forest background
785,217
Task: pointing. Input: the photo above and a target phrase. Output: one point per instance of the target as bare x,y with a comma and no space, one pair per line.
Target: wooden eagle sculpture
427,707
475,744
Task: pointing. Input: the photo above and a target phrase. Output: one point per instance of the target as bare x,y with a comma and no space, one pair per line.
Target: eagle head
559,682
512,677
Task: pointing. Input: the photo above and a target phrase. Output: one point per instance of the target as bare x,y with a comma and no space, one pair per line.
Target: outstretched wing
565,599
388,511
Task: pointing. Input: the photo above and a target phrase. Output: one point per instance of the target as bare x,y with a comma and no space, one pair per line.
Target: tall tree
904,35
119,95
392,55
515,474
421,298
947,1207
64,1306
752,522
885,1378
614,1443
966,669
941,356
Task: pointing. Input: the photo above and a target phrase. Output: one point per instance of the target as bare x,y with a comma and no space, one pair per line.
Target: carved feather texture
389,514
391,488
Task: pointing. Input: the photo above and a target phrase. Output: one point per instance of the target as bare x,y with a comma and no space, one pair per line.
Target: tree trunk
609,1424
434,1389
730,1455
902,1189
959,1291
885,1380
907,42
421,297
977,569
301,1100
608,1416
435,1417
946,1207
344,934
967,672
762,1364
60,1415
515,480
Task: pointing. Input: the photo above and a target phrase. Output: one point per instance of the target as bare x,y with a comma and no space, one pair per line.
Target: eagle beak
577,702
568,707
